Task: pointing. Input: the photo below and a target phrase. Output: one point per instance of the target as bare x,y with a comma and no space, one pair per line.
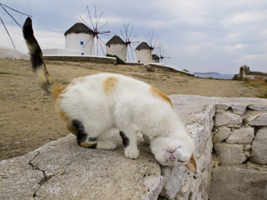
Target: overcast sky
198,35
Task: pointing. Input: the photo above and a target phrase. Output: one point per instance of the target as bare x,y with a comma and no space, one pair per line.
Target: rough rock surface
239,109
223,133
227,118
259,146
241,136
259,119
230,154
234,183
62,169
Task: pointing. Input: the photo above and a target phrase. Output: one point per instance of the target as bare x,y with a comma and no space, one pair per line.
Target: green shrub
119,61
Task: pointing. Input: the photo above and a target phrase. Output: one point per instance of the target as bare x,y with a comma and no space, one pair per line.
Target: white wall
47,52
73,41
118,50
143,56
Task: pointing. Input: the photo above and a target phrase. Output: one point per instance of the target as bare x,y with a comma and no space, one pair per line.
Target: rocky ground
27,116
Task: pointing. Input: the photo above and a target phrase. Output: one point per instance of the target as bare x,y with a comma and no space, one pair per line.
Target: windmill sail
9,11
129,41
96,22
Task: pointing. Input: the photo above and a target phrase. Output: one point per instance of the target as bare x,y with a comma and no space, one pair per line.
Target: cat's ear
192,165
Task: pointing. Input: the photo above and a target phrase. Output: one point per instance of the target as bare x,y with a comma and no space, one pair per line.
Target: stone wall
240,152
95,59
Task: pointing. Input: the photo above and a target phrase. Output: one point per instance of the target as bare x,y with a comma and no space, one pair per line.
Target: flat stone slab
241,136
62,169
230,154
234,183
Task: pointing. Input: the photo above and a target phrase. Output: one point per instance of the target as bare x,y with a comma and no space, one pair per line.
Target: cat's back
107,84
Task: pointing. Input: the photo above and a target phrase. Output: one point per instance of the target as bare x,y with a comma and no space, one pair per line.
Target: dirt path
28,119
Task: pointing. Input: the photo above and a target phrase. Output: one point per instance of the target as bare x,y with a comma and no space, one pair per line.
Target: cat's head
174,151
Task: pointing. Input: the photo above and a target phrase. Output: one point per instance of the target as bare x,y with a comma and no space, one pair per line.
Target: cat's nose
172,158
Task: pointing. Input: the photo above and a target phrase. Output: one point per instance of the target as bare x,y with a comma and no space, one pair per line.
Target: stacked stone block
240,147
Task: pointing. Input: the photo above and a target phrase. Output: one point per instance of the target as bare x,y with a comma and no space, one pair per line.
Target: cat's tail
37,61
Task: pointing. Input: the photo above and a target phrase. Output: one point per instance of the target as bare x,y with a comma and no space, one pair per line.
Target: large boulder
61,169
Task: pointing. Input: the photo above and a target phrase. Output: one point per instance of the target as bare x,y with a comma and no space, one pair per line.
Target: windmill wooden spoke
134,41
90,17
95,13
123,36
7,32
131,33
102,48
14,10
126,30
156,41
101,45
151,40
85,22
147,39
123,48
91,50
131,50
97,47
99,19
87,42
9,11
11,16
103,32
103,26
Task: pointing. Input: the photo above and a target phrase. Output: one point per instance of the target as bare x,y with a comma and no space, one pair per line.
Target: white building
155,58
143,53
80,38
116,46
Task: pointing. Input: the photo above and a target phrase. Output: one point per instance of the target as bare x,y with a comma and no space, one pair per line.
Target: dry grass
258,83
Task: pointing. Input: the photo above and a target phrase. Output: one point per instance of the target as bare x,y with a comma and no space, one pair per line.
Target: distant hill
207,73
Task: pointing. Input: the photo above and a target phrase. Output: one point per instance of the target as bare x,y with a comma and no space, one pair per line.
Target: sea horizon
215,76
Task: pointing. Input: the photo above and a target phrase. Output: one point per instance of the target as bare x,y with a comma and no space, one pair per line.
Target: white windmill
145,50
116,46
98,23
76,37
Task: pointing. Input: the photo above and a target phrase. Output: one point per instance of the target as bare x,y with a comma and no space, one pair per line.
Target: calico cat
94,104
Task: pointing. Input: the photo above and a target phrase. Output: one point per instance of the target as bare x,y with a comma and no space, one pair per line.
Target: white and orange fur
94,104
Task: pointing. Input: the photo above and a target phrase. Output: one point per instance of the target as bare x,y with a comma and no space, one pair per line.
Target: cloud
204,35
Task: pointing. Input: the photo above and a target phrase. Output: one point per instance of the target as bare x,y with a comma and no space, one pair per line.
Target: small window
81,42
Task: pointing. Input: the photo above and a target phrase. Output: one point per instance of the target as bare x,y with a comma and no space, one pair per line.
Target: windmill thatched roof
143,45
115,40
155,57
79,27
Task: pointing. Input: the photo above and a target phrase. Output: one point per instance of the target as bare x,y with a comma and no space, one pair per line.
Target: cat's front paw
133,154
